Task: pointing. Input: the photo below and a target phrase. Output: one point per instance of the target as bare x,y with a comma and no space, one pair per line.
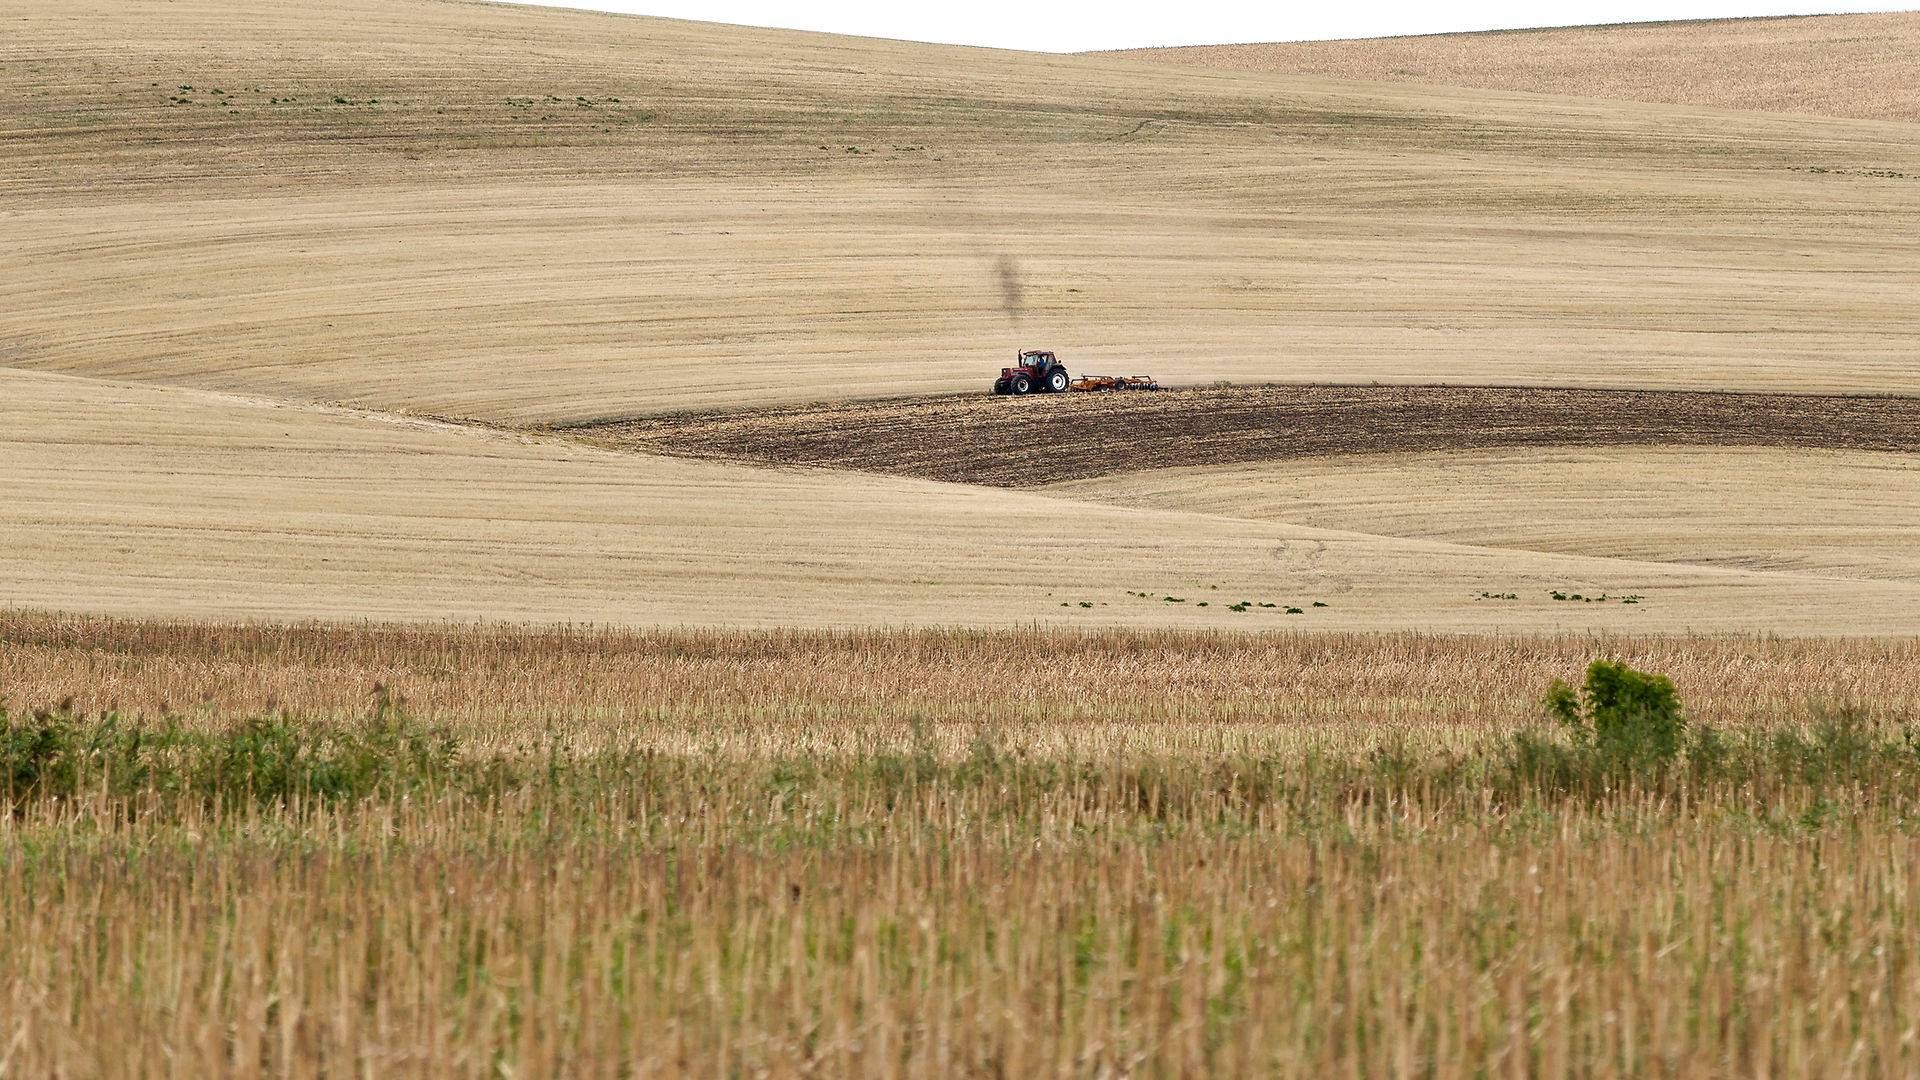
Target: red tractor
1035,370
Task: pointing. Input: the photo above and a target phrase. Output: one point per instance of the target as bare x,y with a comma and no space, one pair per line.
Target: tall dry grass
815,685
1414,944
938,854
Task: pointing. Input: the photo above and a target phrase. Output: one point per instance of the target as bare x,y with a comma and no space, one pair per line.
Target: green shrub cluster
1624,715
58,754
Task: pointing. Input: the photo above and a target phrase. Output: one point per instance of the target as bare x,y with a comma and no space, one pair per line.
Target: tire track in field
1021,442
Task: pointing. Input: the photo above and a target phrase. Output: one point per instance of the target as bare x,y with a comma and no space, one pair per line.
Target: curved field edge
140,500
1047,439
1843,513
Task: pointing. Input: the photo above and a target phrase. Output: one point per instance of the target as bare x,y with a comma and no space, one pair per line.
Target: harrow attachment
1115,382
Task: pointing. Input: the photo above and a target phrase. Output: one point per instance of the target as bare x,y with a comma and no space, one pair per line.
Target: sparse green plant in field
1296,611
1624,714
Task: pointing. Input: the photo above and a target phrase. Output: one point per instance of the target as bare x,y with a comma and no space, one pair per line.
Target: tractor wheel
1021,385
1057,382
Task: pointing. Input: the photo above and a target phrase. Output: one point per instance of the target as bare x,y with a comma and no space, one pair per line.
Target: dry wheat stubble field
1832,65
361,310
525,219
159,501
1758,508
516,215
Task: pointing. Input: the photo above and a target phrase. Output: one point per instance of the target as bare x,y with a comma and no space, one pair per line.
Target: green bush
1625,715
60,754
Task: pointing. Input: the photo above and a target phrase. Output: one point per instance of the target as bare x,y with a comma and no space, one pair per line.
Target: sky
1119,24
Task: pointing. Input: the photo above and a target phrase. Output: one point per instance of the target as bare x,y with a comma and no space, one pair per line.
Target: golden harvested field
1863,66
849,853
1812,512
143,500
300,229
519,215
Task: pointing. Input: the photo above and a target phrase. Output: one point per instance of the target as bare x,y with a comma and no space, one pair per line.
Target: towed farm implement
1039,370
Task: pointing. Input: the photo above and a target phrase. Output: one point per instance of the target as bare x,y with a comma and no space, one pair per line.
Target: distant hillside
532,215
1861,66
258,255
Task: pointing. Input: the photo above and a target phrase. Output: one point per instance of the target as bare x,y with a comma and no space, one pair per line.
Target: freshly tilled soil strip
1019,442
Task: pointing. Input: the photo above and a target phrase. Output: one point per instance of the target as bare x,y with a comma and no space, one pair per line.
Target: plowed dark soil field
1017,442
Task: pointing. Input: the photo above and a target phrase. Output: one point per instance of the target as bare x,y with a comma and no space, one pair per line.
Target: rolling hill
307,304
163,501
1860,66
516,214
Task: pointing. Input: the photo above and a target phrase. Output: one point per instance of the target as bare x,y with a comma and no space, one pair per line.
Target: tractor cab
1035,369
